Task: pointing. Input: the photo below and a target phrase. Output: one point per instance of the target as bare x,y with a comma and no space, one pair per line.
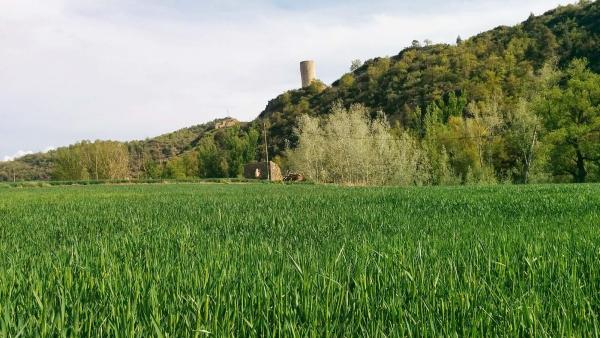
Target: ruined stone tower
308,70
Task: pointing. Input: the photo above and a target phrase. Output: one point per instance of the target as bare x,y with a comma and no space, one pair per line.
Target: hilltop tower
308,70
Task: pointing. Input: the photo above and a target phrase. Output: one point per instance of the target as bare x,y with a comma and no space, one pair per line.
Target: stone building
226,123
260,171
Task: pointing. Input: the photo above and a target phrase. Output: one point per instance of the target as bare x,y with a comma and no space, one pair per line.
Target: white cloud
18,154
87,69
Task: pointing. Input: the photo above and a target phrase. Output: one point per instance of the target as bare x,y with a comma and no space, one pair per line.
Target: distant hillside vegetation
482,110
144,155
499,65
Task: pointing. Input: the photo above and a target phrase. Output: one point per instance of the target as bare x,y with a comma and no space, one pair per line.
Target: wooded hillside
514,104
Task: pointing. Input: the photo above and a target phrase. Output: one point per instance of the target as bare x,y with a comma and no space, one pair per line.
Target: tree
252,143
571,113
524,128
441,172
308,156
69,164
182,167
468,143
349,147
450,105
347,81
105,160
356,64
190,164
224,153
99,160
175,169
153,170
209,161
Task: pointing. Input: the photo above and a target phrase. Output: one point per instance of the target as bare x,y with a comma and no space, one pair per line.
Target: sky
74,70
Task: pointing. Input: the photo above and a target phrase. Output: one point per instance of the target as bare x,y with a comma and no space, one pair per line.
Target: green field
285,261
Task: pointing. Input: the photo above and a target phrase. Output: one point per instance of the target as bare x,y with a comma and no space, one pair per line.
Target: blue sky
131,69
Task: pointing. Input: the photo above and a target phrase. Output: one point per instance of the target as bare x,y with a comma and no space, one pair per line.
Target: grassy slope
262,259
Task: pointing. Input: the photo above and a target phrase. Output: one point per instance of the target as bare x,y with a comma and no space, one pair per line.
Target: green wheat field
264,260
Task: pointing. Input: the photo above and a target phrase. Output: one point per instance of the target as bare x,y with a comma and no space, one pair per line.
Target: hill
158,150
494,74
500,65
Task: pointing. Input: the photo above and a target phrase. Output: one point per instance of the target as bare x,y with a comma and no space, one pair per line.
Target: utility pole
267,152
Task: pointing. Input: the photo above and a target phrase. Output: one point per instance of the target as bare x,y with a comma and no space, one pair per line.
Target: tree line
514,104
219,154
550,135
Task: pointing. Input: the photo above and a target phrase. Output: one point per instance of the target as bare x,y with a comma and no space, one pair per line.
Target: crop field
295,261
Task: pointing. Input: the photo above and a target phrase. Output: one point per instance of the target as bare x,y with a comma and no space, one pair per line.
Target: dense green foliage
100,160
29,167
473,103
349,147
226,153
178,155
500,63
571,113
265,260
144,156
216,153
148,157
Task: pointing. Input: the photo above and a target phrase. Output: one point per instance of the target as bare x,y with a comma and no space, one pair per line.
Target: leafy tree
105,160
190,164
175,169
349,147
571,113
99,160
153,170
252,139
235,150
347,81
225,152
210,164
356,64
451,105
523,131
441,171
69,164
